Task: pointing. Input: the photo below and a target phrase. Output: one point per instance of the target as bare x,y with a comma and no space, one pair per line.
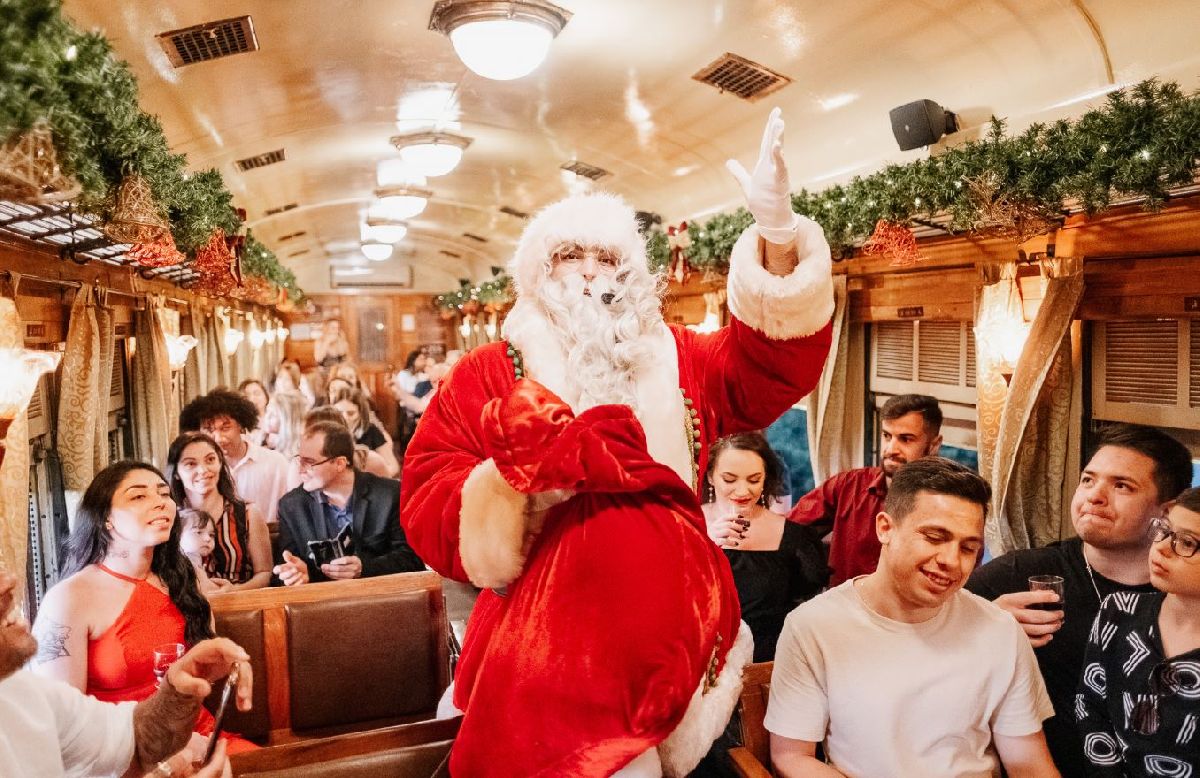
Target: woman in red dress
126,589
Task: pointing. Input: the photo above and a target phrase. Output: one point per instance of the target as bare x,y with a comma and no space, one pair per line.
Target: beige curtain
156,415
14,473
108,358
81,394
834,402
258,356
194,371
1025,428
216,366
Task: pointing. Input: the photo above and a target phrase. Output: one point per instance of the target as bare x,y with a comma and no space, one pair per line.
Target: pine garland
49,70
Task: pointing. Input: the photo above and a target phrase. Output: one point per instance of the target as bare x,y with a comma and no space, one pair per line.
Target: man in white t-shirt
901,673
49,729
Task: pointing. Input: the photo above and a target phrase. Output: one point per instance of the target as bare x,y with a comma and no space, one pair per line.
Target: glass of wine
165,656
1047,583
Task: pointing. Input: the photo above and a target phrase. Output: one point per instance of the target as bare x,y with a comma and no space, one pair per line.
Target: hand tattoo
52,641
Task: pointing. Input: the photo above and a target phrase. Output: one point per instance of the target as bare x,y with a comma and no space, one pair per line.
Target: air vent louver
513,212
209,41
741,77
292,235
451,254
262,160
280,209
585,170
474,237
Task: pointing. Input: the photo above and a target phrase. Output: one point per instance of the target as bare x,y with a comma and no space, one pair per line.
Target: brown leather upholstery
412,762
246,629
361,660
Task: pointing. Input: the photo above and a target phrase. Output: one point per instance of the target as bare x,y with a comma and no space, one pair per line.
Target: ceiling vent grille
741,77
585,170
451,254
262,160
299,253
292,235
1141,362
280,209
474,237
508,209
209,41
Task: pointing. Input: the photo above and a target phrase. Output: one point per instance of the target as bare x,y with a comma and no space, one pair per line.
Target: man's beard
602,326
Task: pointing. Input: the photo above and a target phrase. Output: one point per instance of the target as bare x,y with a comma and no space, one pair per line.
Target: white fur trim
782,307
707,714
492,524
660,407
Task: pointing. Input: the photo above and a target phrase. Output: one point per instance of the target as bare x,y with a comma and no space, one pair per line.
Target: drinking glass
165,656
1047,583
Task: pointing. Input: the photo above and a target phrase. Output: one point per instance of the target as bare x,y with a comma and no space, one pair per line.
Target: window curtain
14,473
194,374
216,366
258,356
82,420
1024,427
156,415
836,402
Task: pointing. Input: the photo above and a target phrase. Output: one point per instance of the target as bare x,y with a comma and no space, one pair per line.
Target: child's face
197,541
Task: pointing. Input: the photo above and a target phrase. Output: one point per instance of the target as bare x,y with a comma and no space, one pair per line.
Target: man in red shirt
846,505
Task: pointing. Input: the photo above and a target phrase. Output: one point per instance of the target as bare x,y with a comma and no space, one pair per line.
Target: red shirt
847,504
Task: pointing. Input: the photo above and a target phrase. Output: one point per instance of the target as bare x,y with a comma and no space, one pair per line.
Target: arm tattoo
163,724
52,641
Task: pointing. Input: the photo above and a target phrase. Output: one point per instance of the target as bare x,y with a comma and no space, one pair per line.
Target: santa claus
559,469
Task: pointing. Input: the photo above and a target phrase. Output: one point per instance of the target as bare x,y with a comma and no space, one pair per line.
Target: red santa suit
618,630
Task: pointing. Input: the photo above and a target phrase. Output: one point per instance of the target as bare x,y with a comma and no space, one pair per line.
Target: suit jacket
378,538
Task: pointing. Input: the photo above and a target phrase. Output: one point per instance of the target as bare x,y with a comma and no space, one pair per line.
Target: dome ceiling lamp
432,153
376,251
499,39
397,172
399,202
384,230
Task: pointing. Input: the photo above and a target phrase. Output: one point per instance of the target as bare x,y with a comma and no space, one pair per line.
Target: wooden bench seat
336,657
753,758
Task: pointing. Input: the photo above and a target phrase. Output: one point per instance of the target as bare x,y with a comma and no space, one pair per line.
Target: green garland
496,291
51,71
1142,142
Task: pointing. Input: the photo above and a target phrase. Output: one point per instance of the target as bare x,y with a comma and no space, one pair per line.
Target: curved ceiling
332,78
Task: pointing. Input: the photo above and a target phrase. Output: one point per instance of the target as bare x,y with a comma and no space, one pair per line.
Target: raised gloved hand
768,196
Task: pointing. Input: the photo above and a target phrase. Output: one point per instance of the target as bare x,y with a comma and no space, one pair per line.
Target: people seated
899,672
340,523
331,348
256,392
260,474
200,479
1133,475
354,408
285,423
776,563
197,539
289,379
1139,695
126,590
49,729
365,459
404,382
847,503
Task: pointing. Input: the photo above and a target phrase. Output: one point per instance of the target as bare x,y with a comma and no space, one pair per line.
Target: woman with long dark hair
126,590
775,563
199,479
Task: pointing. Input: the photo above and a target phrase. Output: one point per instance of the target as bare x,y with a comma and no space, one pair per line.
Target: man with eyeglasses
1130,480
336,501
1139,697
560,468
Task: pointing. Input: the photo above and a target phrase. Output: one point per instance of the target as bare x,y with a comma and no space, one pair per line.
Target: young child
1137,704
197,538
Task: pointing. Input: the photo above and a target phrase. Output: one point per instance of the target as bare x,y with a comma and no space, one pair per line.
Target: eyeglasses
574,254
308,464
1144,717
1184,545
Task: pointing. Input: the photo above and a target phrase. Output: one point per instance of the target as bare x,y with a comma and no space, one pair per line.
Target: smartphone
322,552
226,694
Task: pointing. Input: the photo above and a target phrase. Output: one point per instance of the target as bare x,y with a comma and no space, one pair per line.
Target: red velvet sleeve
748,379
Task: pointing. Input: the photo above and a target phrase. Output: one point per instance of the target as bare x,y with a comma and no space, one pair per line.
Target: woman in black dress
776,563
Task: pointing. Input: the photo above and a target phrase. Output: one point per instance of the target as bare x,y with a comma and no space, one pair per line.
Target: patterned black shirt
1138,712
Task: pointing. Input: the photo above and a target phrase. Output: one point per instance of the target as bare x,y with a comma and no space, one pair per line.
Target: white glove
768,196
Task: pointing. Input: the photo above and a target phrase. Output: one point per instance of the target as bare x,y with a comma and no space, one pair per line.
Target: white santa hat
593,219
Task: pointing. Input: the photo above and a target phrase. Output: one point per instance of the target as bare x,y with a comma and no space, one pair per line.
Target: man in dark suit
332,498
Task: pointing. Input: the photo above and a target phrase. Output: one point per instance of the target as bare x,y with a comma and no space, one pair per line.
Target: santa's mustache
573,289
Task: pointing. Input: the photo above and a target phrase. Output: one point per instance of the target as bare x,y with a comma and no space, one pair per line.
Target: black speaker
921,123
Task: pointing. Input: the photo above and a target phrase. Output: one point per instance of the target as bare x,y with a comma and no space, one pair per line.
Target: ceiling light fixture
431,153
399,202
499,39
397,172
384,230
376,252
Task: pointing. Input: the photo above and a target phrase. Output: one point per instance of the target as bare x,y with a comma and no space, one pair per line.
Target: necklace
1092,578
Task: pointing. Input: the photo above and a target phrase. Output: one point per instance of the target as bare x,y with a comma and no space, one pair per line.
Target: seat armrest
745,765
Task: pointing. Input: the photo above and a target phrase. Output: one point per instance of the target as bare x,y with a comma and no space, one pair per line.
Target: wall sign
911,312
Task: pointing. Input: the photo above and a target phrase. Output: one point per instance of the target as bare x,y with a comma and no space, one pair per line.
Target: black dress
771,583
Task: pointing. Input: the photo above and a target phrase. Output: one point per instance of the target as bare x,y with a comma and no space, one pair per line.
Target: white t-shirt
904,700
261,478
50,729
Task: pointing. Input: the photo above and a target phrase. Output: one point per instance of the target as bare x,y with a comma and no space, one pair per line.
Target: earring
108,525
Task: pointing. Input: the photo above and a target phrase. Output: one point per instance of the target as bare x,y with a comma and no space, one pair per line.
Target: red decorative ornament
679,239
159,253
894,241
219,268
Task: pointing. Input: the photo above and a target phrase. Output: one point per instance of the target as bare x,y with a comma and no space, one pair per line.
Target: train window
372,334
788,437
